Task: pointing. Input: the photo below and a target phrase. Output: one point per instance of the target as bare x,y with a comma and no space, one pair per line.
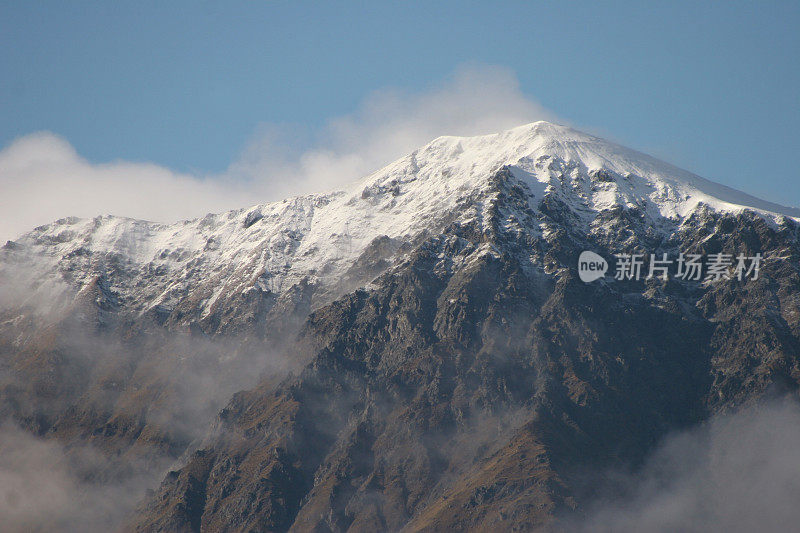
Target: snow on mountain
272,247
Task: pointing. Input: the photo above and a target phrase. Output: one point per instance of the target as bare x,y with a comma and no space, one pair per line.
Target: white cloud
390,123
42,178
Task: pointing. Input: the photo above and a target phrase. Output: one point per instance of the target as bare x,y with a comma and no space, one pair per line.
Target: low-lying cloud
43,178
173,384
737,473
46,486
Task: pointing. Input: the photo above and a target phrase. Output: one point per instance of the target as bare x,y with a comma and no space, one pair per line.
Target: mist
91,418
47,486
738,472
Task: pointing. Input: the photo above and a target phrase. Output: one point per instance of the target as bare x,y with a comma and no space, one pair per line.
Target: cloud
46,486
739,472
391,123
42,178
173,383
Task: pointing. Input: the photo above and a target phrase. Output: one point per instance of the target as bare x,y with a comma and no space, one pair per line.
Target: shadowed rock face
477,384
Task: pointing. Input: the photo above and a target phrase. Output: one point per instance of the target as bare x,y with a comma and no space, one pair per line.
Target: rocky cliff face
444,368
473,384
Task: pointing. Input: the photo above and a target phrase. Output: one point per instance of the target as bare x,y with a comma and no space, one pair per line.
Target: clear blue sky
712,88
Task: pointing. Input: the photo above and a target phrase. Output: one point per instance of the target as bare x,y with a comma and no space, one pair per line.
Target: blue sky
187,85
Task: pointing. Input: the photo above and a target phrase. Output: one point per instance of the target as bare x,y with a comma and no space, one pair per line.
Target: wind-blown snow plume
43,178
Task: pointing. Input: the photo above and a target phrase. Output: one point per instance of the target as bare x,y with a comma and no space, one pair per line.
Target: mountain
193,270
413,352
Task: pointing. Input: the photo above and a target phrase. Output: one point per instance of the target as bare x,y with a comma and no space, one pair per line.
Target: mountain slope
468,389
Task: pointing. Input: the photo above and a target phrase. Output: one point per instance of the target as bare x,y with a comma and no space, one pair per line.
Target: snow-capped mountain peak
317,239
539,148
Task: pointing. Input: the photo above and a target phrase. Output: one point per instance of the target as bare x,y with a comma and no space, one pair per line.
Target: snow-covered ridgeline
274,246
